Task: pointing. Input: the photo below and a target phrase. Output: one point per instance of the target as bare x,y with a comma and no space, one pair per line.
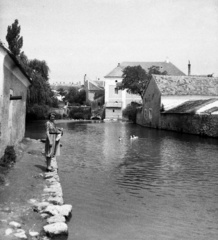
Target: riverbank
26,193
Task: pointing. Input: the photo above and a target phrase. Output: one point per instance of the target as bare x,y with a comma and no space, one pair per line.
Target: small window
116,90
145,112
150,113
113,110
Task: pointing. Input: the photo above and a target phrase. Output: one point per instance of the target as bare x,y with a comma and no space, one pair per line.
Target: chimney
189,68
84,79
118,65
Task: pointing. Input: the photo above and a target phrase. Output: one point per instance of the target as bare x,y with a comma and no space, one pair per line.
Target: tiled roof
164,66
191,106
186,85
95,85
211,110
16,61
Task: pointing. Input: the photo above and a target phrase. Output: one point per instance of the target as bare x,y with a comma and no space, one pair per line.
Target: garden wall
205,125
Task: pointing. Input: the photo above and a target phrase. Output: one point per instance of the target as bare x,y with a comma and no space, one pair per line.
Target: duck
133,137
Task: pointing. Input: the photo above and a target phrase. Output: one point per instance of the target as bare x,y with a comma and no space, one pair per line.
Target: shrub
130,112
37,112
78,115
80,112
9,157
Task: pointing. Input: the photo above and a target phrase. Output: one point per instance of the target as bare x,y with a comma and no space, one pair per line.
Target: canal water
163,185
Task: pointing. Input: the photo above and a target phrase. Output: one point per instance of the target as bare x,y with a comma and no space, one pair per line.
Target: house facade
13,92
168,92
92,87
117,100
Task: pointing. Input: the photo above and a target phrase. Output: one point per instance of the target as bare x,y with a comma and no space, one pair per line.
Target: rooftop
187,85
191,107
164,66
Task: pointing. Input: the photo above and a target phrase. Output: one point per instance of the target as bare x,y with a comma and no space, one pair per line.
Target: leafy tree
136,79
71,95
81,96
39,96
15,42
76,96
40,67
62,92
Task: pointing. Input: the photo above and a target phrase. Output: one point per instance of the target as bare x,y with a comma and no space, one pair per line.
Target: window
113,110
150,113
116,90
145,112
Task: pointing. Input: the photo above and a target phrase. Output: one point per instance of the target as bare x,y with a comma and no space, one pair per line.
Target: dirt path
23,182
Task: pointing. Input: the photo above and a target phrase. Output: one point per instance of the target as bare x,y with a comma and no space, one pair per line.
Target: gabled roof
95,85
186,85
164,66
15,61
191,106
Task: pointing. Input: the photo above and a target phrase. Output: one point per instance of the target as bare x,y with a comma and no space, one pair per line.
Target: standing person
50,143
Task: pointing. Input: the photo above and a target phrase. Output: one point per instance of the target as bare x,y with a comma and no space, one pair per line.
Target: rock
56,228
54,191
64,210
15,224
53,188
44,215
8,231
32,201
53,179
51,209
56,218
33,234
20,234
58,200
40,206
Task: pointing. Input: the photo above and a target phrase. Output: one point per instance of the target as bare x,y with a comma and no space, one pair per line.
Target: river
163,185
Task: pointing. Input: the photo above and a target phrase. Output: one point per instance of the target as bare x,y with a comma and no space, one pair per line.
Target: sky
78,37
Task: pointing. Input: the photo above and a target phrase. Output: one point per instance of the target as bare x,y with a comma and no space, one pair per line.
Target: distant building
13,93
65,85
92,87
116,101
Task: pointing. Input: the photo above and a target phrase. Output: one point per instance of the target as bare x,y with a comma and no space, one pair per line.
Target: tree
76,96
15,42
40,67
71,95
136,79
62,92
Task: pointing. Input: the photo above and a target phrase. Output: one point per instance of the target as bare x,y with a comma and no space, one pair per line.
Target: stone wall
205,125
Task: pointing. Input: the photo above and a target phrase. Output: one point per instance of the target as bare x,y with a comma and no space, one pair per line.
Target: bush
80,112
9,157
78,115
130,112
37,112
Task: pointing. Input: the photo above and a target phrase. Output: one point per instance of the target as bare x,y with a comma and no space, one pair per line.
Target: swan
133,137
